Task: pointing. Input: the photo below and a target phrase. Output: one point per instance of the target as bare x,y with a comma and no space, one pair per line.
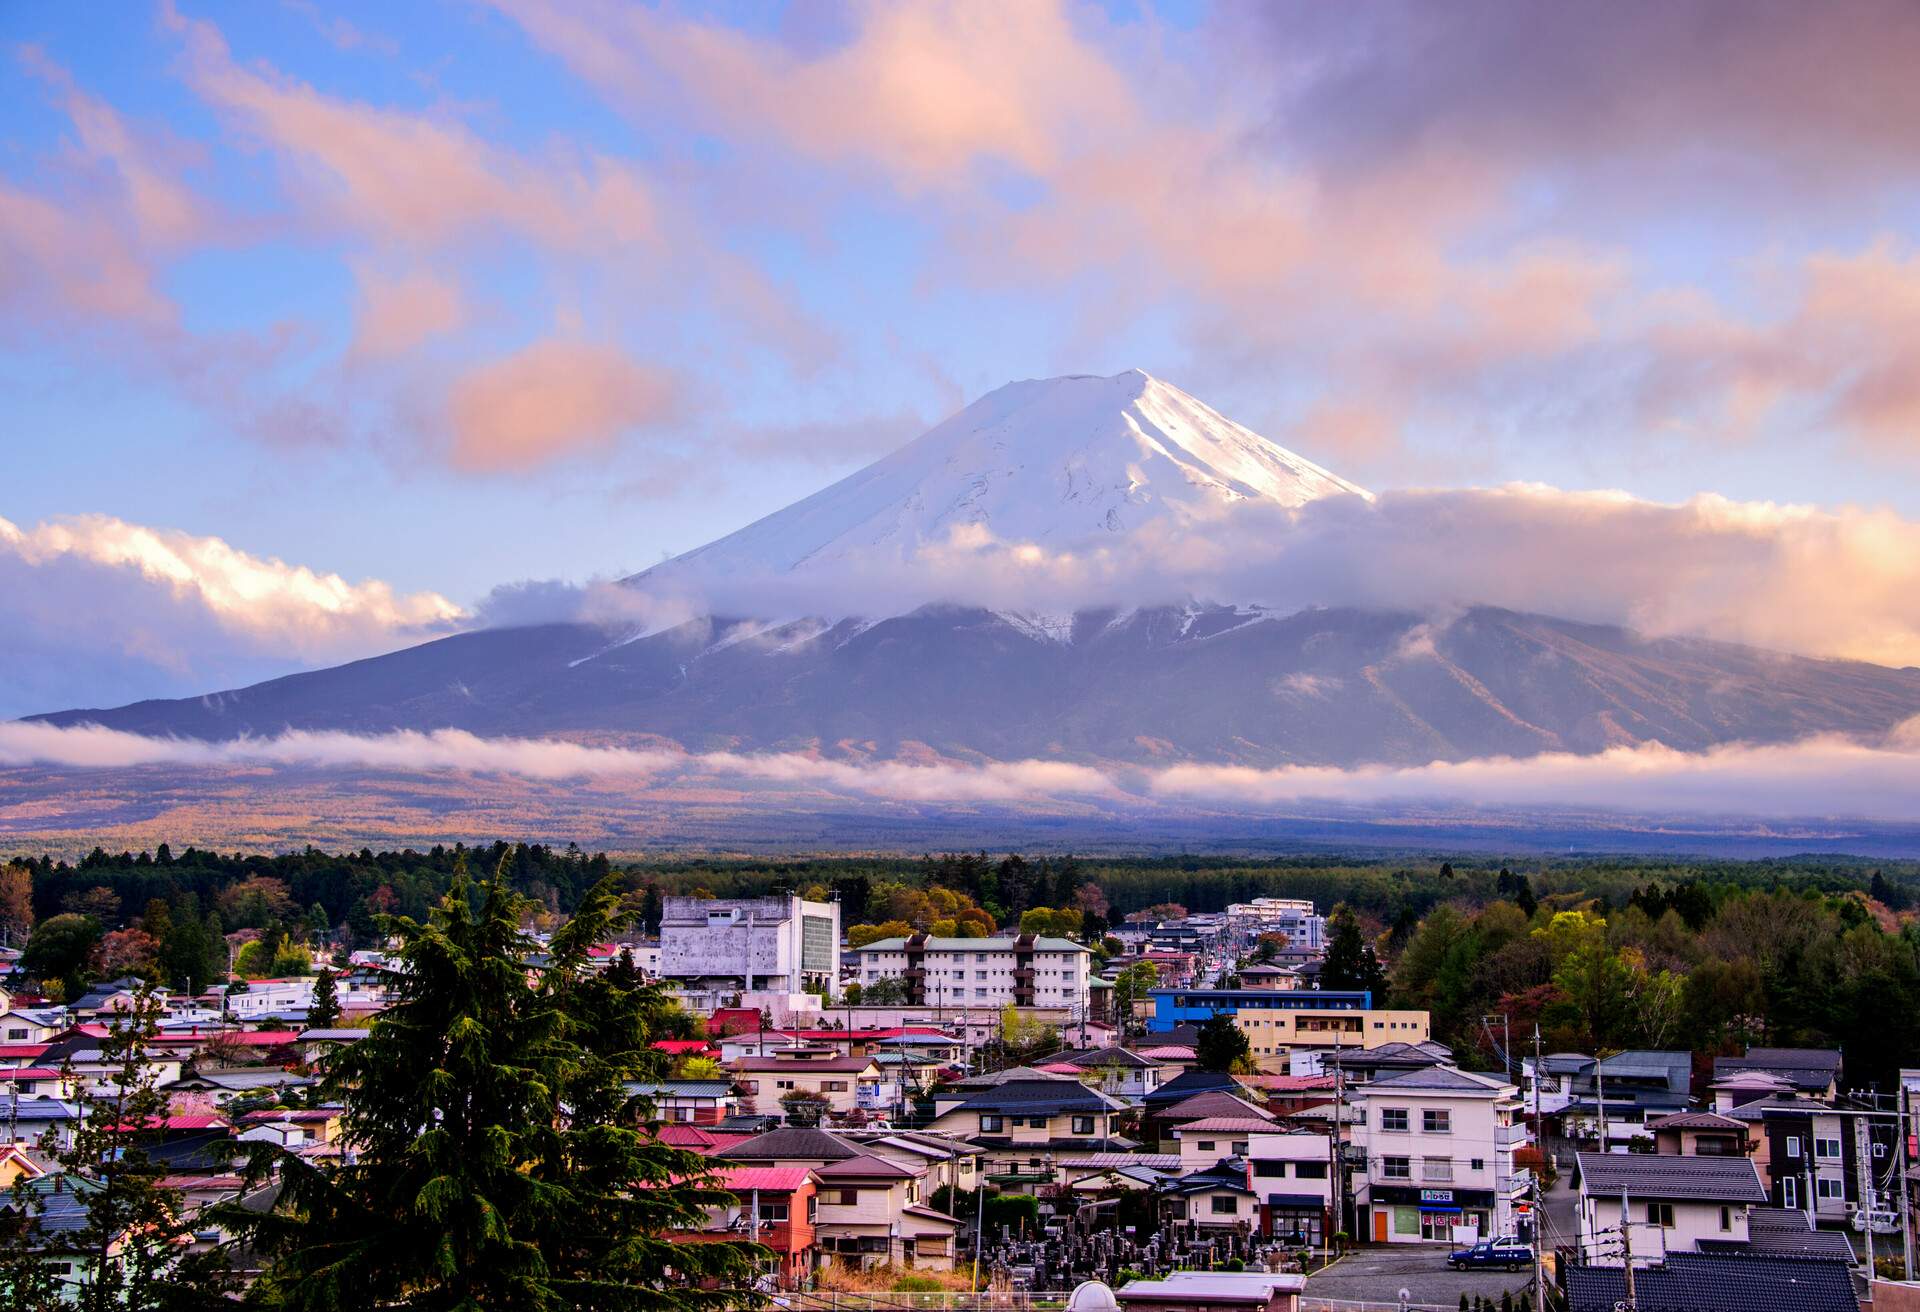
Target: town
1171,1109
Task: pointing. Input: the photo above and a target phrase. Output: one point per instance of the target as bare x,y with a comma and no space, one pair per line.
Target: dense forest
1601,954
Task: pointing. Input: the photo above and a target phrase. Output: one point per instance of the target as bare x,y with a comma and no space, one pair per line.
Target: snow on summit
1055,462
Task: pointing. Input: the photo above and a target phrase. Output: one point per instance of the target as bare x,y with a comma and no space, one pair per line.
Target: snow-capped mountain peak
1053,461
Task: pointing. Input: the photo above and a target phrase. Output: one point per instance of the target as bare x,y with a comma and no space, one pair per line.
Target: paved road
1377,1275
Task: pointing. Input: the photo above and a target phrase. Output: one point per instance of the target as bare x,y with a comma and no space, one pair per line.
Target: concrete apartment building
781,944
1439,1146
1281,1022
1292,917
1027,970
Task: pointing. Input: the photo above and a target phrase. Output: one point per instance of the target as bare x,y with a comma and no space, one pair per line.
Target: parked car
1500,1251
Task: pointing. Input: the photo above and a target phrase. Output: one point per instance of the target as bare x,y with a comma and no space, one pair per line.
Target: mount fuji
865,621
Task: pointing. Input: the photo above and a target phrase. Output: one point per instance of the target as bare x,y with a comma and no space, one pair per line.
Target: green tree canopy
498,1162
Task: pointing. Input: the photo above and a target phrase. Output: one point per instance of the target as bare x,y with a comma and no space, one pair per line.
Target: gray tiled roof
1445,1079
1704,1282
1672,1176
1041,1096
792,1143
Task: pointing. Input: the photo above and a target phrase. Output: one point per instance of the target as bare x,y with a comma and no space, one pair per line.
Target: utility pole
979,1218
1339,1152
1626,1247
1539,1203
1600,1099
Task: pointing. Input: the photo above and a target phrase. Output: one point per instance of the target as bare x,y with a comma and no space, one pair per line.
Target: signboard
1436,1195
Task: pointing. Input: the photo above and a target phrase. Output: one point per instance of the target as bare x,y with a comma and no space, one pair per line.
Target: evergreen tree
498,1162
324,1011
1350,962
130,1254
1222,1045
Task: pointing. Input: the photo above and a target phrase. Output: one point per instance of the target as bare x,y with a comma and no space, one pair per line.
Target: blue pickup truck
1500,1251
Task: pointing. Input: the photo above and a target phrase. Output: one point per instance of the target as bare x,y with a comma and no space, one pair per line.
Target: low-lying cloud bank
1842,583
1818,777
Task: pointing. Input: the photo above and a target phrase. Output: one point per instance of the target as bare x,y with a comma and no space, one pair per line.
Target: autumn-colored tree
861,935
16,902
126,952
256,902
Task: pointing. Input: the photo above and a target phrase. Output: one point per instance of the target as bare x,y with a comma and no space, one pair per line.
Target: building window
849,1197
1225,1206
1436,1121
1826,1148
1726,1218
1083,1125
1396,1168
1477,1163
1660,1214
836,1086
1436,1168
1789,1193
1393,1120
992,1124
1793,1145
1270,1170
1309,1170
1205,1145
773,1214
1830,1188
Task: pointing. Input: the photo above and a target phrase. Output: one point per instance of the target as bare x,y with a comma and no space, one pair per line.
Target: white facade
266,996
1291,916
965,972
764,943
1439,1149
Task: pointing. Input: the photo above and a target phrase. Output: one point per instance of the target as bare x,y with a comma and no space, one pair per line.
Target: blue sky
447,295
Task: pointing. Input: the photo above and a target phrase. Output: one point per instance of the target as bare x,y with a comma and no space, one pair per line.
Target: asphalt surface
1378,1274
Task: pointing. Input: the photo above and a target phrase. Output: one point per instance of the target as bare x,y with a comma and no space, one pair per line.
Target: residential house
694,1102
1700,1134
1114,1070
1291,1171
1671,1204
1219,1195
1821,1156
1165,1123
315,1044
1439,1145
1812,1071
1638,1086
1357,1066
872,1211
1207,1140
840,1084
773,1205
36,1026
1026,1126
944,1162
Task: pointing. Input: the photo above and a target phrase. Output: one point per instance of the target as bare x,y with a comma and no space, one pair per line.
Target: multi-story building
1439,1146
1292,917
1027,970
1290,1169
1027,1125
745,945
1282,1023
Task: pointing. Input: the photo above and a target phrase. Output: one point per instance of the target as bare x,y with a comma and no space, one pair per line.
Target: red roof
22,1051
264,1038
733,1020
678,1046
767,1179
602,950
297,1116
200,1122
30,1073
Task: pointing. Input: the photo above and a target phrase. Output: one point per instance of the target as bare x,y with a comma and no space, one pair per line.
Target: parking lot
1377,1275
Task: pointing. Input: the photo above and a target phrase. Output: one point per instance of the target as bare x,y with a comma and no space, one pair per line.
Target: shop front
1407,1215
1296,1219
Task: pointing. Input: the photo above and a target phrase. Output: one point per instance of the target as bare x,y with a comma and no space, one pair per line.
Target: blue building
1173,1007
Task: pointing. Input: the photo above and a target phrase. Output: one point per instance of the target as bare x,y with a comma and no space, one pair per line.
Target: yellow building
1274,1035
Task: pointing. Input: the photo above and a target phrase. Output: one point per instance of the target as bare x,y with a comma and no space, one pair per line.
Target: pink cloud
550,400
399,313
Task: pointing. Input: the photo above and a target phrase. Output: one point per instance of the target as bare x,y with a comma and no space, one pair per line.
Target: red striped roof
683,1045
767,1179
30,1073
22,1051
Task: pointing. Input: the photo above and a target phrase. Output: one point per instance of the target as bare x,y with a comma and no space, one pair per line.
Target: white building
1027,970
1291,916
1671,1202
782,943
1439,1145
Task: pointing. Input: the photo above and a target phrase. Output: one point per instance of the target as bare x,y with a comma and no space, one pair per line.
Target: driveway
1377,1275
